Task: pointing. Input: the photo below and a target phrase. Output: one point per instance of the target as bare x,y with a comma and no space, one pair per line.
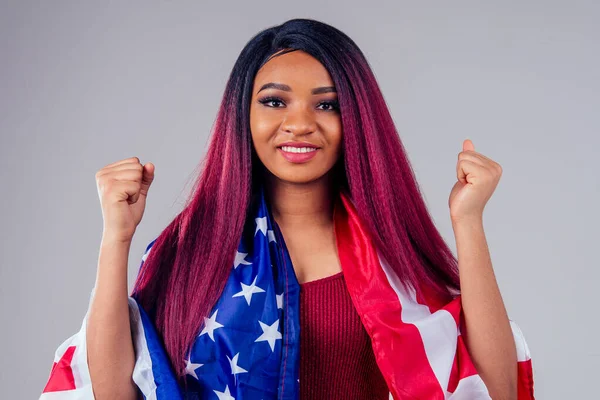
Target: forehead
296,69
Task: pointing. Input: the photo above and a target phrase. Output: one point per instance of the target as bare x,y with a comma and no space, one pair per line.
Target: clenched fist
123,187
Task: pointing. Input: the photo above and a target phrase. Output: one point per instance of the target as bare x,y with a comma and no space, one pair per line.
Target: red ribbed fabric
336,358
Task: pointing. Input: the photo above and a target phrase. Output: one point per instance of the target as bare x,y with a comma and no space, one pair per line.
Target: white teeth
298,149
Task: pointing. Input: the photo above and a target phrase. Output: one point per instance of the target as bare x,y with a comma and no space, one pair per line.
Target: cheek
335,136
262,127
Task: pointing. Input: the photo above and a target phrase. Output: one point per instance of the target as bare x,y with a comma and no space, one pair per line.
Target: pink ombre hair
190,261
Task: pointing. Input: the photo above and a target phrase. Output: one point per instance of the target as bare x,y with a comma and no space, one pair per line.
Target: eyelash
335,105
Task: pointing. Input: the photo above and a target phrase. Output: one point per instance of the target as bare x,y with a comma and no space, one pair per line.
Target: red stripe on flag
61,377
525,381
397,346
462,367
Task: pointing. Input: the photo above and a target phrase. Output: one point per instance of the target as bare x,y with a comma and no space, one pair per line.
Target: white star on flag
279,300
248,291
225,395
210,324
261,225
271,236
240,258
270,333
191,368
235,369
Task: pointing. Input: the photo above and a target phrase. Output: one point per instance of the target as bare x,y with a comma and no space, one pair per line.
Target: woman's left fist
478,177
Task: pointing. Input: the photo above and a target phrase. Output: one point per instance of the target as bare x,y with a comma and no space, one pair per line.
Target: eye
270,99
333,104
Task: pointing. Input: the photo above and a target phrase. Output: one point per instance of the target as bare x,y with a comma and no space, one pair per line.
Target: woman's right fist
123,187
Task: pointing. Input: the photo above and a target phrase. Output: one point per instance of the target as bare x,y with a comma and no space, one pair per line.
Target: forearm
488,337
109,343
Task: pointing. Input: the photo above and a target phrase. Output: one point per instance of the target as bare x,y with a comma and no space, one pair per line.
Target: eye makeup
333,104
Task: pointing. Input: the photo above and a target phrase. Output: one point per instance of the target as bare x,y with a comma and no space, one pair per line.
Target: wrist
113,240
467,220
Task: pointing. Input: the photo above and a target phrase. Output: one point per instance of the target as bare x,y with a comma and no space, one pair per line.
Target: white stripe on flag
439,334
142,371
523,353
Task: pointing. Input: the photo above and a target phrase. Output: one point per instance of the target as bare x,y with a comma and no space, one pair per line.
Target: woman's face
294,103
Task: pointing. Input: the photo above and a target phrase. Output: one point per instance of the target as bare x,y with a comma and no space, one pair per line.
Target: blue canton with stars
248,348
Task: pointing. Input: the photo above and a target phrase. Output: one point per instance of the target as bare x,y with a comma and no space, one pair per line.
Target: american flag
248,348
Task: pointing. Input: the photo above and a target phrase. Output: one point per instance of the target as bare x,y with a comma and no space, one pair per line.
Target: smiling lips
298,152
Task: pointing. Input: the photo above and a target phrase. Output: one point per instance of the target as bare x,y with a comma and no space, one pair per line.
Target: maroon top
336,357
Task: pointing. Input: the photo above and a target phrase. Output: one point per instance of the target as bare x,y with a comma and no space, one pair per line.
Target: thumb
468,145
147,177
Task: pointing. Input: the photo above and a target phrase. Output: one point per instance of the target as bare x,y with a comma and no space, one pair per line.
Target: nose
299,121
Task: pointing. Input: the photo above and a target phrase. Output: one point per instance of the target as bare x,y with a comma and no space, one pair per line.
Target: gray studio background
84,85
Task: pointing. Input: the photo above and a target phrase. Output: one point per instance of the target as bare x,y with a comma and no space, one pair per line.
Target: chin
298,177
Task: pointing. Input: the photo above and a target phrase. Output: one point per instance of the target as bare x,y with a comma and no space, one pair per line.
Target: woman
303,148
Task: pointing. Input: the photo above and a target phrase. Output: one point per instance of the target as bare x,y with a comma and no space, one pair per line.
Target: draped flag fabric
248,348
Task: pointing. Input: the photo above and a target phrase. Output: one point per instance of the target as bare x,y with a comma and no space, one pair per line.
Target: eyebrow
281,86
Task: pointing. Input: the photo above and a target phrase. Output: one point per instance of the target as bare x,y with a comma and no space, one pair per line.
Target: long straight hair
186,271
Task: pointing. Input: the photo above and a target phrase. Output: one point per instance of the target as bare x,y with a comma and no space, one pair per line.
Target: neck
301,205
